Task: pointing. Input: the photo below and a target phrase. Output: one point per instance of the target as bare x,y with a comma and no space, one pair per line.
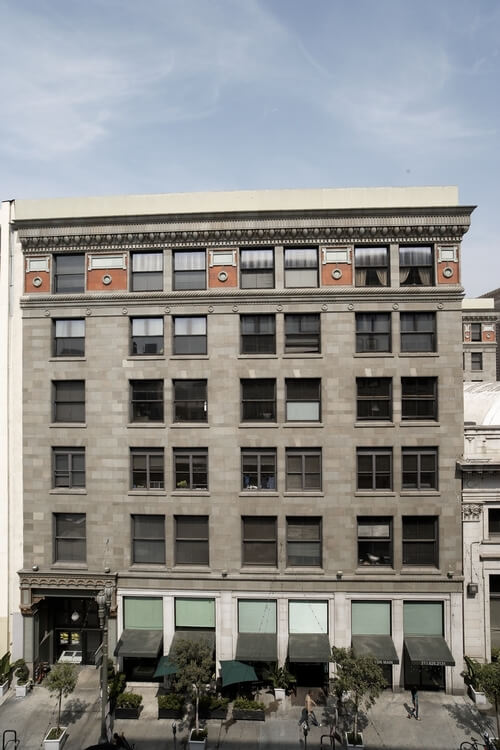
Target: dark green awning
257,647
380,647
428,651
309,647
139,643
198,636
165,667
233,672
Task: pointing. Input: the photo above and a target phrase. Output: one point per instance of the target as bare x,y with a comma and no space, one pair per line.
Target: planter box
279,694
4,687
216,713
127,713
196,744
244,714
55,744
169,713
477,696
348,743
23,690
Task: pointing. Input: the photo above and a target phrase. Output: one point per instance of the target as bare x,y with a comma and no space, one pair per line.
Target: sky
110,97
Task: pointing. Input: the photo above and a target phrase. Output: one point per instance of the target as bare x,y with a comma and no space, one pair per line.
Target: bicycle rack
6,741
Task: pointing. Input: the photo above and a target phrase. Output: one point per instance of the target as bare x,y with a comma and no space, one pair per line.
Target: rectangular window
258,468
418,331
303,399
371,266
374,468
69,338
190,335
147,468
257,269
494,522
191,540
476,361
374,398
303,469
70,537
148,539
191,469
416,266
303,542
419,398
302,333
260,546
147,272
258,334
258,400
301,267
475,331
373,332
420,540
374,540
68,400
189,269
68,467
190,400
420,468
147,336
69,274
146,400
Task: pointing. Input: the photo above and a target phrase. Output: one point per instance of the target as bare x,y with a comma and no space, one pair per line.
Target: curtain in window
147,327
190,326
371,618
308,617
416,259
194,260
70,328
370,256
195,613
147,262
251,259
257,616
304,257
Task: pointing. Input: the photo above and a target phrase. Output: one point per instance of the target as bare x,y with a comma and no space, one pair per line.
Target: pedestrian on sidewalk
414,700
309,706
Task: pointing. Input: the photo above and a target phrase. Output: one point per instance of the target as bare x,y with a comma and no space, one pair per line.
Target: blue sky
114,96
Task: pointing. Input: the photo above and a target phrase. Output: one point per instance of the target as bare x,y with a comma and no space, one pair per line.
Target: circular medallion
336,273
37,281
222,276
106,279
448,272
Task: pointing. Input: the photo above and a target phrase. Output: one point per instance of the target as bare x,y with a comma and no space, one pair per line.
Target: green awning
233,672
309,647
165,667
198,636
139,643
257,647
428,651
379,646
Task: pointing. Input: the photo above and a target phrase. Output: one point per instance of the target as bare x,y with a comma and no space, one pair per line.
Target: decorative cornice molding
65,581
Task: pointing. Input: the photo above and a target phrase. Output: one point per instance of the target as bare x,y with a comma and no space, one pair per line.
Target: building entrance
67,629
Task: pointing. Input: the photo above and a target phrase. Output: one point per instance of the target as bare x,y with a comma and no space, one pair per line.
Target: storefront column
168,622
282,630
454,636
398,639
226,629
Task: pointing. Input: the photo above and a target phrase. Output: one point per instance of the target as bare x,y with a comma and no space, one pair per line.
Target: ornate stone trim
471,512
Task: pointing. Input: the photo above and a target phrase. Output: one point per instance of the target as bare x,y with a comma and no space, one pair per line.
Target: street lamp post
103,599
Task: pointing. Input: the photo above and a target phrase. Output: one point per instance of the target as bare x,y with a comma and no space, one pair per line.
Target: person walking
414,700
309,706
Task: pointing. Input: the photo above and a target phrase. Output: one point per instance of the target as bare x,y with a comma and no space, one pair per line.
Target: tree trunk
197,702
498,720
59,710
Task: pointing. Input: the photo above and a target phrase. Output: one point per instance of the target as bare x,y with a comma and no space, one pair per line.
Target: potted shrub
128,706
194,669
471,679
5,673
360,677
247,709
116,684
281,680
22,675
170,706
60,681
213,707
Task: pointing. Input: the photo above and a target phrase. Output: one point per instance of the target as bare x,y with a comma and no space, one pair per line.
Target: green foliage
280,677
361,677
213,702
471,676
489,682
54,733
5,668
171,700
21,671
194,669
198,735
495,653
117,682
246,704
61,680
129,700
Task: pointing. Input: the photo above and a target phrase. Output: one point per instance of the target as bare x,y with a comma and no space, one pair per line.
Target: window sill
374,423
419,570
373,570
190,493
243,425
66,358
378,355
191,568
302,355
420,493
374,493
259,493
304,570
146,425
68,491
146,492
294,425
419,423
144,357
189,356
189,425
304,493
66,425
147,566
271,355
418,354
249,568
61,565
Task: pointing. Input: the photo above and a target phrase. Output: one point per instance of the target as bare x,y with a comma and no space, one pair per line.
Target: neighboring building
243,410
479,339
480,468
495,296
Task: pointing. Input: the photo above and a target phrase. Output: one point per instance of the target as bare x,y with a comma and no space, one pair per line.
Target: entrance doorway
67,629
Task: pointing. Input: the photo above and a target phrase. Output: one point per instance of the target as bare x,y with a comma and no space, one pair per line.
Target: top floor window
147,272
69,338
301,267
189,269
475,331
372,266
257,269
69,274
415,266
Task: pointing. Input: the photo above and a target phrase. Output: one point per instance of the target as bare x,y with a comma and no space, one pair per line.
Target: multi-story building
479,339
244,411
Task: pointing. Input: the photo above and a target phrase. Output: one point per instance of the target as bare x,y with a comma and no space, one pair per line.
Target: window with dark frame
68,400
257,334
302,333
191,540
375,540
303,542
476,361
190,335
68,468
303,399
190,401
303,469
258,468
373,332
301,267
374,398
257,268
69,274
371,266
420,468
147,272
374,468
420,541
148,539
147,468
70,537
418,331
190,468
419,398
189,269
69,338
475,331
146,400
146,336
259,540
258,400
494,522
416,265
